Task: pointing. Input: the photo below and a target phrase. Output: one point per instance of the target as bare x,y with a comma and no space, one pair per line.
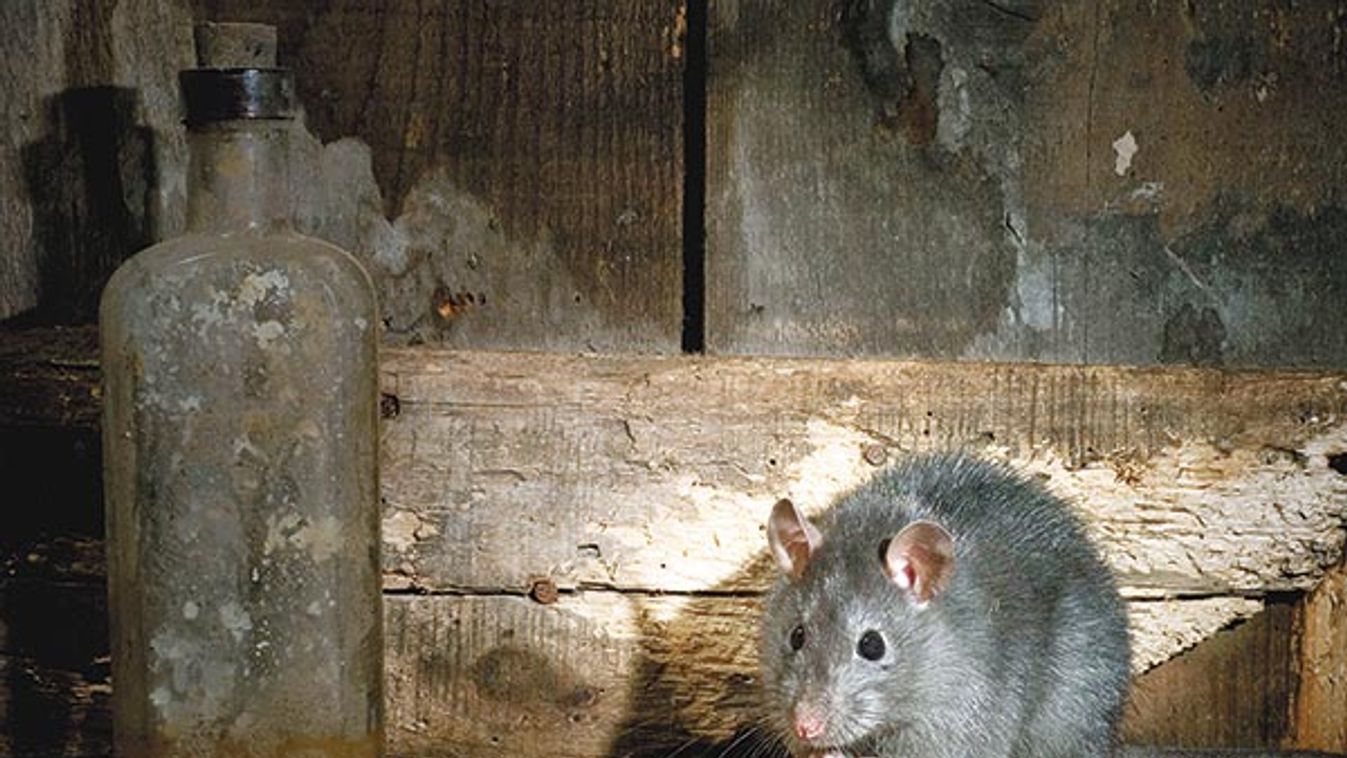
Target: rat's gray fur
1024,654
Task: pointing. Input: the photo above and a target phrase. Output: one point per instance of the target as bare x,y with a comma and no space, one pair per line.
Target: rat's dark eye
797,638
871,646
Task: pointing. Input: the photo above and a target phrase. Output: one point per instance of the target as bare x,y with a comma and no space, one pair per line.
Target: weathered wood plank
522,184
1320,715
49,377
1100,181
649,476
89,121
655,473
594,674
1234,689
832,228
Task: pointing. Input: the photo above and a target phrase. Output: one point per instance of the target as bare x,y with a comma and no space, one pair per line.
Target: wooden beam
635,486
656,473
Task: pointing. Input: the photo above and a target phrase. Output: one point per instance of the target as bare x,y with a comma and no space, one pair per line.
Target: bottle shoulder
192,256
206,266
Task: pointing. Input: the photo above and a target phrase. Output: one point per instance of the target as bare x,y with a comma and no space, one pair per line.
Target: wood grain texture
940,180
654,474
637,486
510,173
833,229
1320,714
1235,689
528,160
615,674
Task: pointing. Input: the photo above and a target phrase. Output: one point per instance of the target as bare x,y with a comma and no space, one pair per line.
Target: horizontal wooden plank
656,473
49,377
601,673
593,674
653,475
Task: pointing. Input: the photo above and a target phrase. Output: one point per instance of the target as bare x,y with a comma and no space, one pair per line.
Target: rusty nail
544,590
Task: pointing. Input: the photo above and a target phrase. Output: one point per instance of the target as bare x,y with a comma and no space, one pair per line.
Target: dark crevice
1007,10
582,587
694,179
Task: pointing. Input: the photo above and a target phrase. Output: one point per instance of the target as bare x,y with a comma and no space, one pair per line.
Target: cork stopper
235,45
237,77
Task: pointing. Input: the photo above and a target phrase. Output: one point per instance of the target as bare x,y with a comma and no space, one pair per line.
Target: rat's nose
809,725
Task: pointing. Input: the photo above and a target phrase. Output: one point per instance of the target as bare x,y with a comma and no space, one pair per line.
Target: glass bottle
240,435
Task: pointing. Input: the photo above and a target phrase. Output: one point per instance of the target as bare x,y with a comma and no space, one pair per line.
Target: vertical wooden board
1320,715
833,229
1099,181
1235,689
1181,178
528,157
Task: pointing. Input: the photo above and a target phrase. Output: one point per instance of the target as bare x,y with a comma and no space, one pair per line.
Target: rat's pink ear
921,560
792,538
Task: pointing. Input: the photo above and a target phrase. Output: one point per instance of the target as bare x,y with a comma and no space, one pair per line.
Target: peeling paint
235,620
1124,148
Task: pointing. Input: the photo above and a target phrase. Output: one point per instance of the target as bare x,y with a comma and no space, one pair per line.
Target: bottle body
241,482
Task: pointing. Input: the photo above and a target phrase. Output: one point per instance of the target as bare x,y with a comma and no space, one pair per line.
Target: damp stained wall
1085,182
1082,182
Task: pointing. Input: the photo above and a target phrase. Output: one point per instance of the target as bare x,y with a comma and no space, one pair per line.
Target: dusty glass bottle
239,438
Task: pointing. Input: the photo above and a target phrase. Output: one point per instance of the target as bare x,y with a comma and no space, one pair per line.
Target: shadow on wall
670,679
90,181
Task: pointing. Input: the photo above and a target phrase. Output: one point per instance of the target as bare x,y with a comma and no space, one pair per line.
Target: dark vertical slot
694,179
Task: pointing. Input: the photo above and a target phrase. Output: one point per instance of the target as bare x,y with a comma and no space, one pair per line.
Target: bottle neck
238,177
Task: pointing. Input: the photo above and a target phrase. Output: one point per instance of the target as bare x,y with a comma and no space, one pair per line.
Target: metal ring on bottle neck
226,94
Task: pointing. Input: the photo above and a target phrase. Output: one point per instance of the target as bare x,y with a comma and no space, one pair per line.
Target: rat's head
850,628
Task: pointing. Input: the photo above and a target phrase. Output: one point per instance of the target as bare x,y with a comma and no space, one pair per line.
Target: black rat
947,608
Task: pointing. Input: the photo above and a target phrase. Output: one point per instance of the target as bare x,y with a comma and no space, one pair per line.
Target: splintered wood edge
655,474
